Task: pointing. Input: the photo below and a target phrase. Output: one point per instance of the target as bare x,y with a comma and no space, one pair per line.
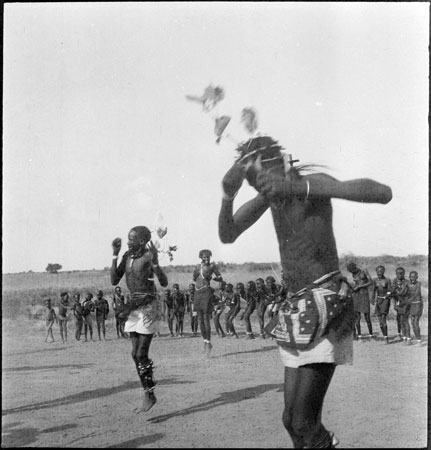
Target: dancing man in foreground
311,343
140,263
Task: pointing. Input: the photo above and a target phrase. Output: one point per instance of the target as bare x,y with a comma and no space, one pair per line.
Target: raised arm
231,225
320,185
153,255
117,272
359,190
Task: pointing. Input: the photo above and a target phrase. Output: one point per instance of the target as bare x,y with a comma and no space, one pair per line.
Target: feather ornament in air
161,232
220,125
209,99
249,119
171,249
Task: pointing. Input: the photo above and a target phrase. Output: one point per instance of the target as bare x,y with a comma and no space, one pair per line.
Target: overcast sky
98,136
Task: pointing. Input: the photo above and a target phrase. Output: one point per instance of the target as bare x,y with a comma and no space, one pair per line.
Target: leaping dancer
140,263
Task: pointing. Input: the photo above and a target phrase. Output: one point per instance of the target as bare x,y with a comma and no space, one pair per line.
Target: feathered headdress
263,145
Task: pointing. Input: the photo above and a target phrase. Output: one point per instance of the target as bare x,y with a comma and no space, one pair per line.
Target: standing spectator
261,304
62,315
87,309
170,311
251,302
400,293
382,299
191,309
78,316
416,304
101,307
202,276
233,305
219,305
274,296
361,298
179,301
50,318
118,306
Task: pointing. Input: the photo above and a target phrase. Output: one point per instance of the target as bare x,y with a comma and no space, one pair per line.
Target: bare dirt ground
83,394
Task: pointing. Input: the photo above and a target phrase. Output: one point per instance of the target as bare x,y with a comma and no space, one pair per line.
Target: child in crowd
50,318
416,305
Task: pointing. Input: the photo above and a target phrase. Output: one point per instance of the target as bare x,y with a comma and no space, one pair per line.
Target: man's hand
272,185
154,253
232,181
116,246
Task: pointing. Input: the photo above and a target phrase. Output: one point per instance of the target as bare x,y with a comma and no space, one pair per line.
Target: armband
115,257
308,189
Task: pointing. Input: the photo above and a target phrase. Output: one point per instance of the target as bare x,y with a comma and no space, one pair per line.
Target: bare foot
208,349
148,402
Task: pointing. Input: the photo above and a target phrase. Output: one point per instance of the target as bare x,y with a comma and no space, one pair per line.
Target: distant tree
53,268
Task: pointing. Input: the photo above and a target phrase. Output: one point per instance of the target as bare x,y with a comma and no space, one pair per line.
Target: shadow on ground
138,442
224,398
257,350
48,349
60,366
13,436
87,395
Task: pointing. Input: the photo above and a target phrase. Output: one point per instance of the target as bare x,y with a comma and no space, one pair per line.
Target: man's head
269,281
99,294
205,256
47,302
239,287
251,286
260,283
380,271
260,153
400,273
192,287
413,276
138,237
64,297
352,267
88,296
176,287
229,287
167,292
77,297
118,290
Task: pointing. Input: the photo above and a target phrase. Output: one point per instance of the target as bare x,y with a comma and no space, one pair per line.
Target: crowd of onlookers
84,313
260,298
